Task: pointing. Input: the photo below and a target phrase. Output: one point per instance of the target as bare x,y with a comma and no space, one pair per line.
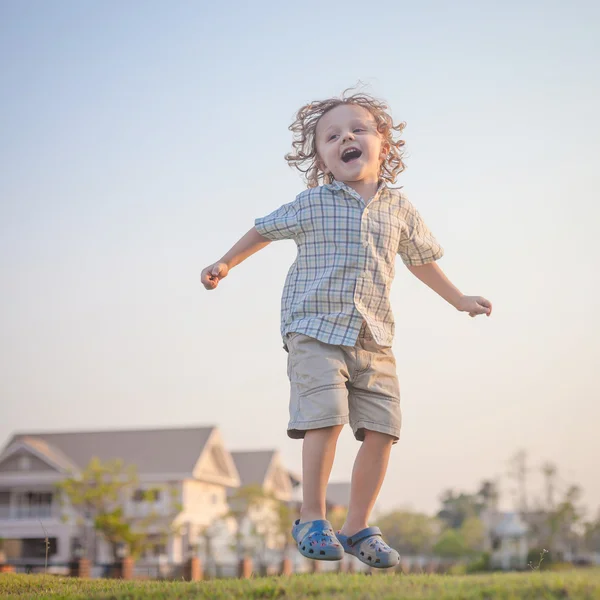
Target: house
337,500
505,539
261,528
264,468
190,468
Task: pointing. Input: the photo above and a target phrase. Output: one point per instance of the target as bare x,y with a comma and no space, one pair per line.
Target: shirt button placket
363,259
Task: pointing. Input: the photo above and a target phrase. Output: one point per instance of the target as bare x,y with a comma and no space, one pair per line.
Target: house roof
173,450
510,525
52,453
295,478
253,465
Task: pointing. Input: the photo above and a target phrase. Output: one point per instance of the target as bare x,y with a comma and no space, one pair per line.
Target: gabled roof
253,465
53,454
153,451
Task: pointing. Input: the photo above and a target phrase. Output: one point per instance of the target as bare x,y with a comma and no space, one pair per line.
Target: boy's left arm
431,275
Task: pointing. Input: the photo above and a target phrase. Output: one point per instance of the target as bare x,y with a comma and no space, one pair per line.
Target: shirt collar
340,185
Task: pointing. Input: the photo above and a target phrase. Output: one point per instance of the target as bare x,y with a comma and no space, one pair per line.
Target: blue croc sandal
317,540
368,546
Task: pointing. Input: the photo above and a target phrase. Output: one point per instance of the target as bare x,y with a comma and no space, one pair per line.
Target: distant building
505,539
337,497
261,525
338,500
191,465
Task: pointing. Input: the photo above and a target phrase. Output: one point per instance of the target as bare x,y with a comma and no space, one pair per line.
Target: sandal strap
364,533
319,527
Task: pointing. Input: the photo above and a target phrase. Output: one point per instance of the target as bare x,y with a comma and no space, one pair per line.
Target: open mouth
351,154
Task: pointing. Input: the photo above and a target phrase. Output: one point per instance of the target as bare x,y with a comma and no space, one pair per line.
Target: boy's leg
312,532
375,417
318,411
318,452
367,477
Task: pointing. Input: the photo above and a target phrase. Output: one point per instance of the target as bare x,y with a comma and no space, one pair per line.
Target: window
76,546
141,495
33,505
4,505
29,548
157,546
36,547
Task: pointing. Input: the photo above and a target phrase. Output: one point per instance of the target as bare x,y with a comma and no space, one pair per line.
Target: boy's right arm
249,244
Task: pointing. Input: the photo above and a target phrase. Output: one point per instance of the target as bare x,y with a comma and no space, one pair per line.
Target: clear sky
139,140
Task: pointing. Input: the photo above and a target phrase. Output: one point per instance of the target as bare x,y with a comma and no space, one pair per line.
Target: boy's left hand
474,305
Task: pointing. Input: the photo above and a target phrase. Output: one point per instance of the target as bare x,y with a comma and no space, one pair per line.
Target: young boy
336,319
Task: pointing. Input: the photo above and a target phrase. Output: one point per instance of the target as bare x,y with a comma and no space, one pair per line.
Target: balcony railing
27,512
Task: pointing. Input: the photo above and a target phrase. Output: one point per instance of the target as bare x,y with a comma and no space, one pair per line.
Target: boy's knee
377,437
332,431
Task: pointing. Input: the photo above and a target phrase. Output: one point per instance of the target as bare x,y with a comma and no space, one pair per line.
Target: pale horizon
140,141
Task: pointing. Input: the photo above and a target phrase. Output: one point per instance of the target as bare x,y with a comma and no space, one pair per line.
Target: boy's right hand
213,274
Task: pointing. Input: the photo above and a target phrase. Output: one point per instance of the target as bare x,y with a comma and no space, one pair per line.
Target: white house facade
189,469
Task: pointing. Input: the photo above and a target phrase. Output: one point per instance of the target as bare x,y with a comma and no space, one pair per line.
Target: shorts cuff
297,429
359,427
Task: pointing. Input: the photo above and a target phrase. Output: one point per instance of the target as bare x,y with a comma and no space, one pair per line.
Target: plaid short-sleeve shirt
345,265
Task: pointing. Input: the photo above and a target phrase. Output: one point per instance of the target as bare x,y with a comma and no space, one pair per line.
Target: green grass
584,584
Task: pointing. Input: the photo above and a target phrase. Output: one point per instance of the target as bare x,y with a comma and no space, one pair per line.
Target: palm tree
488,492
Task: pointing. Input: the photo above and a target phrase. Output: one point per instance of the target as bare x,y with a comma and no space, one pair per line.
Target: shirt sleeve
281,224
417,245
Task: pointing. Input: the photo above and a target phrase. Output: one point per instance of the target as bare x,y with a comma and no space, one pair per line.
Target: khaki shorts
335,385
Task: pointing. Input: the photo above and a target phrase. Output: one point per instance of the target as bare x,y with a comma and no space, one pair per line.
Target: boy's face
349,145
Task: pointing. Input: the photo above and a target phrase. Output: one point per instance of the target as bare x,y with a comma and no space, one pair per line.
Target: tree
450,545
564,518
549,470
245,506
591,535
205,541
472,531
408,532
284,517
458,507
488,495
98,495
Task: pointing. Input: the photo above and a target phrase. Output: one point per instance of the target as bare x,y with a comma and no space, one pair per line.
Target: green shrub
458,569
561,566
539,558
480,564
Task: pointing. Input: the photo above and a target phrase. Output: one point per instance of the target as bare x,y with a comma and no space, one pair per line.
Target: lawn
584,584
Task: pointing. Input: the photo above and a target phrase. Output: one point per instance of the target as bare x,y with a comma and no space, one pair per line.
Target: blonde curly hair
304,156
